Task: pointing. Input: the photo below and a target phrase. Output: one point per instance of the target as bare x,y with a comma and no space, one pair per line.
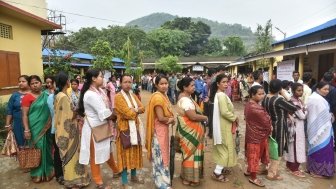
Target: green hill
219,30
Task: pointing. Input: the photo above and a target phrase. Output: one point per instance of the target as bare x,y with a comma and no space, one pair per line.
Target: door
326,61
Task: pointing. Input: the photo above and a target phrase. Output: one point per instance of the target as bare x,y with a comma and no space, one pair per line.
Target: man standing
172,88
199,84
296,77
306,78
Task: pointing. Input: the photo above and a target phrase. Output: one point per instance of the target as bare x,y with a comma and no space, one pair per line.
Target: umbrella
172,154
237,140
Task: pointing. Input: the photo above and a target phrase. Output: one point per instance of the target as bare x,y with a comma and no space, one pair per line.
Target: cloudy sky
291,16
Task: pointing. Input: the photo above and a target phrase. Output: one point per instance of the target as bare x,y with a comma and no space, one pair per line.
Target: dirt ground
11,177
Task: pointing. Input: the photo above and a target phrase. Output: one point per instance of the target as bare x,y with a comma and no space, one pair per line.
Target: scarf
318,122
157,99
131,123
217,137
102,95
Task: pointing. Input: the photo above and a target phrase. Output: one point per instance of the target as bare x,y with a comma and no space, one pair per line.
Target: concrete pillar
270,69
82,71
254,65
236,70
301,57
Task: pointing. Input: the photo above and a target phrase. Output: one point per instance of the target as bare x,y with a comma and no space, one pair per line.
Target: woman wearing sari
37,124
14,113
223,117
128,107
191,134
67,137
159,117
321,160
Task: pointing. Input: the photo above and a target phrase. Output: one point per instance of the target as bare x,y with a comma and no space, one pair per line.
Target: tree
60,63
103,55
213,47
168,64
199,32
85,38
234,46
127,54
168,42
264,38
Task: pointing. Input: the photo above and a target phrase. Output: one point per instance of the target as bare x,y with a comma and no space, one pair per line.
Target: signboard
285,70
198,68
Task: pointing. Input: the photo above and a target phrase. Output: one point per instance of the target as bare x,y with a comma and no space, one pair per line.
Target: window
6,31
10,69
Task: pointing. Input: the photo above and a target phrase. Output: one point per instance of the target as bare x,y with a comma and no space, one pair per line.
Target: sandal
247,174
194,184
226,171
137,180
103,186
257,182
116,175
298,174
219,178
275,177
184,182
60,180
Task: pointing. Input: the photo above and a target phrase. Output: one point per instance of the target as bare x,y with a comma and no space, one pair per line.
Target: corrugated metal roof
58,52
326,25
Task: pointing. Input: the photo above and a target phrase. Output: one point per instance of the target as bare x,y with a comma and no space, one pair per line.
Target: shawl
258,123
131,123
217,137
318,122
157,99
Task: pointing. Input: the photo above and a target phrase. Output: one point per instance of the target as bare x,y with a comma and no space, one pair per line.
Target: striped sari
192,142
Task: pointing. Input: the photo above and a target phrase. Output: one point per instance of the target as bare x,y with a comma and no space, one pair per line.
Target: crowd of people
60,119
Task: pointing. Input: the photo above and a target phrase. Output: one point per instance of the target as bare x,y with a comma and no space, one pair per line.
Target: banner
285,70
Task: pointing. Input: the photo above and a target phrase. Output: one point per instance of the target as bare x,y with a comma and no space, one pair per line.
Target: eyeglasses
78,78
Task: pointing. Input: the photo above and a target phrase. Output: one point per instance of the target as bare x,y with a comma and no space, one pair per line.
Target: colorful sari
157,141
67,140
321,160
38,117
191,140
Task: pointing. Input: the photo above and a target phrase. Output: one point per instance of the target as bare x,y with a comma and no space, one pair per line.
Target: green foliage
168,64
85,38
127,55
213,47
152,21
103,55
60,63
3,113
264,38
168,42
234,46
199,32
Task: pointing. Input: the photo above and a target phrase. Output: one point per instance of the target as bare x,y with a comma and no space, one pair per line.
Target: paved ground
11,177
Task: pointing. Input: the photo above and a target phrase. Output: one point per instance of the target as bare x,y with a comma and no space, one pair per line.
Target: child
258,128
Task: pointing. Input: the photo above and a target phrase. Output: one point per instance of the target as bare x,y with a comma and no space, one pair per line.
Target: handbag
234,127
10,148
125,139
100,132
273,148
30,157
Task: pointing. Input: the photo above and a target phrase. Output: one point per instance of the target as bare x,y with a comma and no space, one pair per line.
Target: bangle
27,131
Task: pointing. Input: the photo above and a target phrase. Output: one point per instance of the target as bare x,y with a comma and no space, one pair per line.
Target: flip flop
274,178
247,174
257,182
219,178
298,174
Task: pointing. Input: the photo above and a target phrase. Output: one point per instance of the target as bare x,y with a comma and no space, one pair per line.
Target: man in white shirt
306,89
258,78
296,77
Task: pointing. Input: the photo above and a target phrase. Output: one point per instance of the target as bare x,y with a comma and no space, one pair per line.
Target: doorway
326,61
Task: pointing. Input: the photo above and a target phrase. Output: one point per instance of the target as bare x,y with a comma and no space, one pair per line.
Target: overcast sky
291,16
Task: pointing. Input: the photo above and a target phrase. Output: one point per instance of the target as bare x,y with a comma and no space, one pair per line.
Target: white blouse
96,112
